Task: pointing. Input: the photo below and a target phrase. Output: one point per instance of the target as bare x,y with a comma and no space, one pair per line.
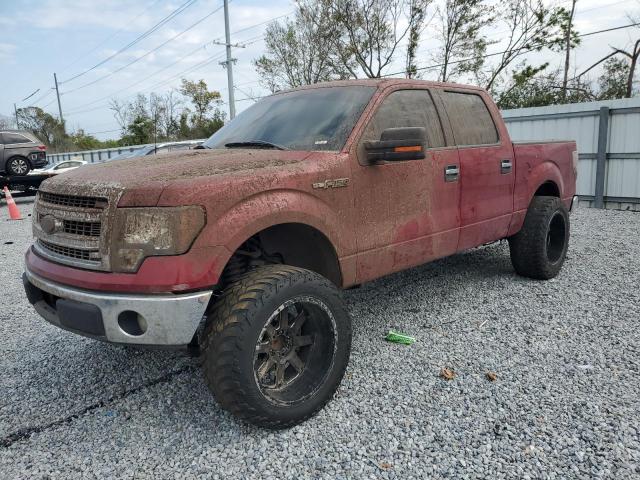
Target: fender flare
544,172
261,211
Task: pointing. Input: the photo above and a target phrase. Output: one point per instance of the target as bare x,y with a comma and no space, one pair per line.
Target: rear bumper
574,203
38,159
144,319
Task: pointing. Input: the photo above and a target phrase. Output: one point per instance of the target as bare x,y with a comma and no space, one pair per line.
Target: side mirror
406,143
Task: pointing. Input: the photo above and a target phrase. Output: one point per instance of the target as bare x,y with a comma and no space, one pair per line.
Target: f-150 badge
335,183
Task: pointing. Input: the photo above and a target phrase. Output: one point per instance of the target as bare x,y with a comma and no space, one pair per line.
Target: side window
470,119
9,138
407,108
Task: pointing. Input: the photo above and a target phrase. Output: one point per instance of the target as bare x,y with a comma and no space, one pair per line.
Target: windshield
313,119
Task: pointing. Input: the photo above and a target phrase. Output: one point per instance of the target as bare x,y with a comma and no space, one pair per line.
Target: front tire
18,166
538,250
276,345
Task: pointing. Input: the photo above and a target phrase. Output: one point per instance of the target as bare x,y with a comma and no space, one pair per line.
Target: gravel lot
565,404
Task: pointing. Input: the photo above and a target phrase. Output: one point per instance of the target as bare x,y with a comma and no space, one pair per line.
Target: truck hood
142,179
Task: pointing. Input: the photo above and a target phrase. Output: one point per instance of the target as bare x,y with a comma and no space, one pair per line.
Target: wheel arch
286,221
297,244
544,180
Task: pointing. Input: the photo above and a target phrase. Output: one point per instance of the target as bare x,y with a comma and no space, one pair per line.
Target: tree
633,55
613,81
534,87
298,52
417,17
530,28
7,122
201,98
45,127
370,33
82,141
170,107
570,39
461,24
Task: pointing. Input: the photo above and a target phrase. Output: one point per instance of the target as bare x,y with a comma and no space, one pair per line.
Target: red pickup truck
240,248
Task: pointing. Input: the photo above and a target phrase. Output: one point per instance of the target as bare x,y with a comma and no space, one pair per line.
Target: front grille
86,229
72,200
70,252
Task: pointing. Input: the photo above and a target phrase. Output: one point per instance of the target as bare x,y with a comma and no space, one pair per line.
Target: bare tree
6,122
570,39
632,55
121,112
461,24
299,52
372,31
171,104
530,27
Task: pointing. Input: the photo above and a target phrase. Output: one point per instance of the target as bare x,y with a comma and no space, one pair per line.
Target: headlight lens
139,233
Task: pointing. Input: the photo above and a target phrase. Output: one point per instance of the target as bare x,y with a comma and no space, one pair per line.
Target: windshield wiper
255,143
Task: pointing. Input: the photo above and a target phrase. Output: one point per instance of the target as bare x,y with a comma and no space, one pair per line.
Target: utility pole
15,109
228,63
55,79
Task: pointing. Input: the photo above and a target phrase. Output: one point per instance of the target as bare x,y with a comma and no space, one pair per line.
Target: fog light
132,323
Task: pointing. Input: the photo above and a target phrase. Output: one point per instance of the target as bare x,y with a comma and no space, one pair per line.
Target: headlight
139,233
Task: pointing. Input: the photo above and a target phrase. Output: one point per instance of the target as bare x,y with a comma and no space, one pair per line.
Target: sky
69,37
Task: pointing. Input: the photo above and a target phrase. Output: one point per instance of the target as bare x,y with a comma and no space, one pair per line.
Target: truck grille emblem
49,224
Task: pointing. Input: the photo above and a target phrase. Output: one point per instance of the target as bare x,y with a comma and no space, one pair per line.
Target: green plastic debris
397,337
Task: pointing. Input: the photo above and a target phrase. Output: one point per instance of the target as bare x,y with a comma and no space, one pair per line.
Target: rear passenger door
486,168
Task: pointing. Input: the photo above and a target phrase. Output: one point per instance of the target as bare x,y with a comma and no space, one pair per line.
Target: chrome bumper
574,203
153,319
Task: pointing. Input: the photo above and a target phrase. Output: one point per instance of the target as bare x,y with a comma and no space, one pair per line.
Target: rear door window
470,119
407,108
10,138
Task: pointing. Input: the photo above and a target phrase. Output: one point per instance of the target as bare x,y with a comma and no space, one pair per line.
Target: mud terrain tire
276,345
538,250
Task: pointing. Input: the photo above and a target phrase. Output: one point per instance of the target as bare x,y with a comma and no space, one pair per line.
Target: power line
136,40
146,54
153,87
149,7
249,41
505,51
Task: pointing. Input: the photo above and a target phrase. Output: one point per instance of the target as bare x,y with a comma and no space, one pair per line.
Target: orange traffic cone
14,213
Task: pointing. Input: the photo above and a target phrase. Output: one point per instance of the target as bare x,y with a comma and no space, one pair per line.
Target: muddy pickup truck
240,249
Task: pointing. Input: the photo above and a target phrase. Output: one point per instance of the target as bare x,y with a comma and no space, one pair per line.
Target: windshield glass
313,119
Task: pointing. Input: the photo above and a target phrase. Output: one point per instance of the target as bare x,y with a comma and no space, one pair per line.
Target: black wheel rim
556,237
295,351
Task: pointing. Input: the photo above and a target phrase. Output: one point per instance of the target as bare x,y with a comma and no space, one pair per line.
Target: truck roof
381,83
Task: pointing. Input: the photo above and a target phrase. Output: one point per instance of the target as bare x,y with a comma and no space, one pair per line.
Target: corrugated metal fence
608,138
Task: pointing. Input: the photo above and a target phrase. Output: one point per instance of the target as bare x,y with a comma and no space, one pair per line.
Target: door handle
451,173
505,166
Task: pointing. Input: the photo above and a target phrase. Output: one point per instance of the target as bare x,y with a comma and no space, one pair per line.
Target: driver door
408,211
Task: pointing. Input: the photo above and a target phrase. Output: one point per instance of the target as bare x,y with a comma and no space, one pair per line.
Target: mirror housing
396,144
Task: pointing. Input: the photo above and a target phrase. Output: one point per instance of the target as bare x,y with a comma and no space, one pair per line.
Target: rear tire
276,345
538,250
18,166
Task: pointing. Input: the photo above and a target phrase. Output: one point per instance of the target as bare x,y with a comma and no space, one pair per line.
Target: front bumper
143,319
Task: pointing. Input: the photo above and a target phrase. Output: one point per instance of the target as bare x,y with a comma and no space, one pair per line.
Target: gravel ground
565,403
